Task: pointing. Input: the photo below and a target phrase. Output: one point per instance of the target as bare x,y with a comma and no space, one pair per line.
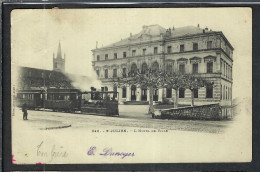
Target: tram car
34,99
67,100
70,100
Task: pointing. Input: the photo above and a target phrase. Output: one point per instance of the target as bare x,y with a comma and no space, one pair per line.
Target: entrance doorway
155,95
144,94
133,93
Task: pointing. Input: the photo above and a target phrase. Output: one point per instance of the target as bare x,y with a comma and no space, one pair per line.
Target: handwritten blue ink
109,152
92,150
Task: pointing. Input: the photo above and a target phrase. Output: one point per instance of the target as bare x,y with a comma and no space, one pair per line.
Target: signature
109,152
54,152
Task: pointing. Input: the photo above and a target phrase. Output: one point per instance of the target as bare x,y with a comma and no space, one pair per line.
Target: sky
35,33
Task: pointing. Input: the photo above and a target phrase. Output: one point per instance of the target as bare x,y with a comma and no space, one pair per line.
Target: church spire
59,56
59,62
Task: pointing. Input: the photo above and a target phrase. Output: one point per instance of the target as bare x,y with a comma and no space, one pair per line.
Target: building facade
185,50
33,78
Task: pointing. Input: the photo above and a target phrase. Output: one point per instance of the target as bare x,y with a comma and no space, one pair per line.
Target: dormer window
106,56
98,57
115,55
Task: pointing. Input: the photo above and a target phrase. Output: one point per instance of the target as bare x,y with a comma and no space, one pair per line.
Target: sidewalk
36,122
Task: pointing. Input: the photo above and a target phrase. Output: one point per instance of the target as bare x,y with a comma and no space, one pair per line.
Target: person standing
24,109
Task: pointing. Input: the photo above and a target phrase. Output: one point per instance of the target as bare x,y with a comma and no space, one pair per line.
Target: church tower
59,62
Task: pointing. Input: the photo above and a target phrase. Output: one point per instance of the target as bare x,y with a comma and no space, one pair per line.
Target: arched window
124,72
144,68
133,69
144,94
155,67
133,93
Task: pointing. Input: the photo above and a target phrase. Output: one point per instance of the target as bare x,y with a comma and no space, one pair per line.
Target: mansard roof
154,32
147,31
186,30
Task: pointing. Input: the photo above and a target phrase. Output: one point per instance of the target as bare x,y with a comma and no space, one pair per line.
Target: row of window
226,93
169,68
25,96
155,50
195,67
226,69
209,92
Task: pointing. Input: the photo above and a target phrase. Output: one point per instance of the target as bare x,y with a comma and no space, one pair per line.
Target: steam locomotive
70,100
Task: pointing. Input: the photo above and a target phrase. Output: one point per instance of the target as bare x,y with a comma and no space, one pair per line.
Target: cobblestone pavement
131,116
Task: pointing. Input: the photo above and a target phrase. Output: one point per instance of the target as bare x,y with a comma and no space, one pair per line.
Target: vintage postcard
131,85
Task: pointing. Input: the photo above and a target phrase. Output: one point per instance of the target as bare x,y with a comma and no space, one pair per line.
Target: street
131,116
34,140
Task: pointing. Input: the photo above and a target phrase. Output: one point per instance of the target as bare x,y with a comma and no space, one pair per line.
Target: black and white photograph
131,85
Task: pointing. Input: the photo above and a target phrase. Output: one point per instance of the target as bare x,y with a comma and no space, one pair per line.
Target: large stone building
187,50
33,78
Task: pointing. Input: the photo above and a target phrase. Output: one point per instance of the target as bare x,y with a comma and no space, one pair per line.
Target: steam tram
70,100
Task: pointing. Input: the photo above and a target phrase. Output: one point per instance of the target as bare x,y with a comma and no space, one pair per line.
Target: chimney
130,34
144,26
203,30
96,44
198,25
206,28
173,28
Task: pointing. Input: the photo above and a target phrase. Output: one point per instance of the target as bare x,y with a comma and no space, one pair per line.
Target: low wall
204,112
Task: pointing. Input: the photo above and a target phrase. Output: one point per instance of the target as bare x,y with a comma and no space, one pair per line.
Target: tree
176,82
188,81
193,83
149,78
